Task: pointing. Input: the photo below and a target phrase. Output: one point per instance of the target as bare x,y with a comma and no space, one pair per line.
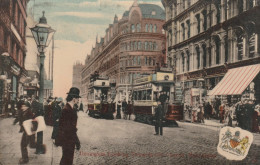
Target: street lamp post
42,34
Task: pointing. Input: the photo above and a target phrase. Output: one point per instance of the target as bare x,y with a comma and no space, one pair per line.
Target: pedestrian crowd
127,109
246,113
63,118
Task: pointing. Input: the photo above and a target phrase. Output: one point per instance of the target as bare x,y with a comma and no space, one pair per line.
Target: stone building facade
205,38
12,48
132,46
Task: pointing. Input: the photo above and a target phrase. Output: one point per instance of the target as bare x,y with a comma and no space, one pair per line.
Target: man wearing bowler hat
67,133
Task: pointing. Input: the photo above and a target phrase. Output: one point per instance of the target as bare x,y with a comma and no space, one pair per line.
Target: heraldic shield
234,143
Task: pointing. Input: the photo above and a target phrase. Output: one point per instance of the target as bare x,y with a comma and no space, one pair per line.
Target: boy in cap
25,114
67,133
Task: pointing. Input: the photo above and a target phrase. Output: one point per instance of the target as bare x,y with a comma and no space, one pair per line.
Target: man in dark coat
25,114
124,105
37,109
56,117
81,106
158,117
67,135
118,113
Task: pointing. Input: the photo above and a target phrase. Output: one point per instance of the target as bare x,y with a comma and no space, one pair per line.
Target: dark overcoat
56,118
67,133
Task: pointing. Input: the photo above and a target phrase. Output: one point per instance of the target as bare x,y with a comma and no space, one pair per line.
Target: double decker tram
146,92
100,103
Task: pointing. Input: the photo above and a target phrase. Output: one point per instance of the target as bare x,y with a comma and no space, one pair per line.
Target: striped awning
236,80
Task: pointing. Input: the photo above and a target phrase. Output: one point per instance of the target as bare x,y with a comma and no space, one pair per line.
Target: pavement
214,124
127,142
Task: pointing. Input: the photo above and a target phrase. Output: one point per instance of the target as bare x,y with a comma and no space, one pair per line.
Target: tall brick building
131,46
13,45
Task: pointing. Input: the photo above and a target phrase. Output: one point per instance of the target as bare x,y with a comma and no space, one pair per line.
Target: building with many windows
132,46
12,48
206,39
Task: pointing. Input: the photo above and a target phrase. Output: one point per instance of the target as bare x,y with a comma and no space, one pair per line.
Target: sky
77,24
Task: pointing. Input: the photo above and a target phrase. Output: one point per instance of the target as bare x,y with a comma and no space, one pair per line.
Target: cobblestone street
125,142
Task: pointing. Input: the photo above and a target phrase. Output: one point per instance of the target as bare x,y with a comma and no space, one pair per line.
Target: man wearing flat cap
67,133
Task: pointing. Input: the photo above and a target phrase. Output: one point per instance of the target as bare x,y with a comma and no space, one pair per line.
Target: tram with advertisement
100,98
146,92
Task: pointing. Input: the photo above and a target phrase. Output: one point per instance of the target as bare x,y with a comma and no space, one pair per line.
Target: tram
100,103
146,92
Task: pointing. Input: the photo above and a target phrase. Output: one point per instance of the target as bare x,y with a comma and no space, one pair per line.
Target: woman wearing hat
67,133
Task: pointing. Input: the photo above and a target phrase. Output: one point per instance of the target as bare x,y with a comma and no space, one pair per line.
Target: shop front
239,83
9,82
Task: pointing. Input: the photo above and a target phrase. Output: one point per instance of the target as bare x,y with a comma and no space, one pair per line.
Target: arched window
183,4
132,45
135,45
150,61
134,61
198,57
204,13
151,45
151,28
198,22
217,42
188,60
226,49
240,5
183,62
251,40
218,14
154,46
188,28
138,60
250,3
183,31
139,45
154,28
132,28
138,27
240,45
145,45
204,48
146,27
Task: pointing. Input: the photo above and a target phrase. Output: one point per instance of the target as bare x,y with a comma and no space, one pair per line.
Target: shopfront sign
178,92
195,91
15,70
164,76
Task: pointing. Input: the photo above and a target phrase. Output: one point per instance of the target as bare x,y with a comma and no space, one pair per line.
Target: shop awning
236,80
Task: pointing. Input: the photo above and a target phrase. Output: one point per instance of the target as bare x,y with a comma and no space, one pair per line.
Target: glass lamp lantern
42,33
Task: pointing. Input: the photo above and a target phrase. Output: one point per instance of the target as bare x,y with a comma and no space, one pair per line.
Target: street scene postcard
130,82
